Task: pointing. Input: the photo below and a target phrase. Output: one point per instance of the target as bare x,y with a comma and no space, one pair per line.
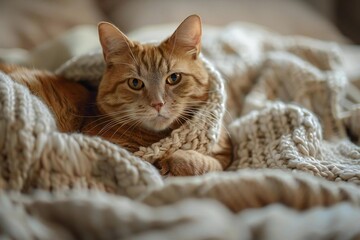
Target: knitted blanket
294,122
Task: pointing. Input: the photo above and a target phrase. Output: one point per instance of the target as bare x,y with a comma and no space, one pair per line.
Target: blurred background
28,23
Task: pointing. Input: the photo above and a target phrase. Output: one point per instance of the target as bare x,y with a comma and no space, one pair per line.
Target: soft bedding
295,174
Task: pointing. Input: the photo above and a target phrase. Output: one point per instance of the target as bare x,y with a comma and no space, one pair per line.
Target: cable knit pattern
35,155
93,215
197,134
294,125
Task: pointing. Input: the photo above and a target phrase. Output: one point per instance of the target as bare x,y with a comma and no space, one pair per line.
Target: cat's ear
112,40
187,36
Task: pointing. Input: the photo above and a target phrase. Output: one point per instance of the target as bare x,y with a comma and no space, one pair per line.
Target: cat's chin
158,124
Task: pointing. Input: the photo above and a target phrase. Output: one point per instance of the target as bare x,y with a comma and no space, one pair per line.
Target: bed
295,130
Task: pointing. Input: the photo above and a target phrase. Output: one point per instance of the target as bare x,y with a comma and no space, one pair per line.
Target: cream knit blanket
290,107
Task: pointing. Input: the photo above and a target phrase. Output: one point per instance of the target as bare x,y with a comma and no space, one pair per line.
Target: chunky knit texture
35,155
297,109
291,116
199,134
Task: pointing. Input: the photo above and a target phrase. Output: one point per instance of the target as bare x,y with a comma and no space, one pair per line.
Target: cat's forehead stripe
152,60
164,59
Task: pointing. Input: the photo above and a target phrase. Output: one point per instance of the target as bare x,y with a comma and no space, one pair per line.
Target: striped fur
133,118
67,100
128,113
132,121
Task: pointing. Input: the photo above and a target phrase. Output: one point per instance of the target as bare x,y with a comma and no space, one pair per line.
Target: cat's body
126,135
147,91
67,100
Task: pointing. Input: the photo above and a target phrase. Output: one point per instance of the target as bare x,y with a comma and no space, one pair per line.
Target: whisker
206,118
210,121
110,126
226,111
129,127
138,123
112,121
93,127
213,123
110,118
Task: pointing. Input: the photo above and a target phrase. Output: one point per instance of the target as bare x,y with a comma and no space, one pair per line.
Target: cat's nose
157,105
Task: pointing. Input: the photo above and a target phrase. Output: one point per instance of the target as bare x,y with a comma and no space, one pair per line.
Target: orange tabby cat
147,90
66,99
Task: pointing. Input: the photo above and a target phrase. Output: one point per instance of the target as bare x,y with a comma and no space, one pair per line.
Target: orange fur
147,90
132,119
66,99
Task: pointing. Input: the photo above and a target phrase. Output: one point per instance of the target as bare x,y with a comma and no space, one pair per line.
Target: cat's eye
135,83
173,78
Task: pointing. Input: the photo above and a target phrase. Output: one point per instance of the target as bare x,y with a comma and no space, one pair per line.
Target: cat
67,100
147,90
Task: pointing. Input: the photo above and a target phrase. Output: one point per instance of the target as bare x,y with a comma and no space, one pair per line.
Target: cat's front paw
191,163
181,163
178,164
163,166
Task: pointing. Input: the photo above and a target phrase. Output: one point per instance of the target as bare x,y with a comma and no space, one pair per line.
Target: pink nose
157,105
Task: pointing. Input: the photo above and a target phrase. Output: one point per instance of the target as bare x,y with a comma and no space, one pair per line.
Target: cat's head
155,86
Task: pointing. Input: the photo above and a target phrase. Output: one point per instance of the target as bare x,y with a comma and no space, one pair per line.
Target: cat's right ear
112,40
187,37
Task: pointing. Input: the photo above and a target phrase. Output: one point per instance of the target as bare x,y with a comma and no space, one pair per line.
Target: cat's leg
190,163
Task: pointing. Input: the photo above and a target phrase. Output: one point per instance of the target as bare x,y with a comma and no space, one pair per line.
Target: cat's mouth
158,122
159,116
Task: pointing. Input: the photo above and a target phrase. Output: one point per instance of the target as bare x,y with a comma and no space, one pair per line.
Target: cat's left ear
112,40
187,36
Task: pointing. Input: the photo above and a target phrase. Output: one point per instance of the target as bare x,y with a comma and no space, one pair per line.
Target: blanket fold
294,125
35,155
94,215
